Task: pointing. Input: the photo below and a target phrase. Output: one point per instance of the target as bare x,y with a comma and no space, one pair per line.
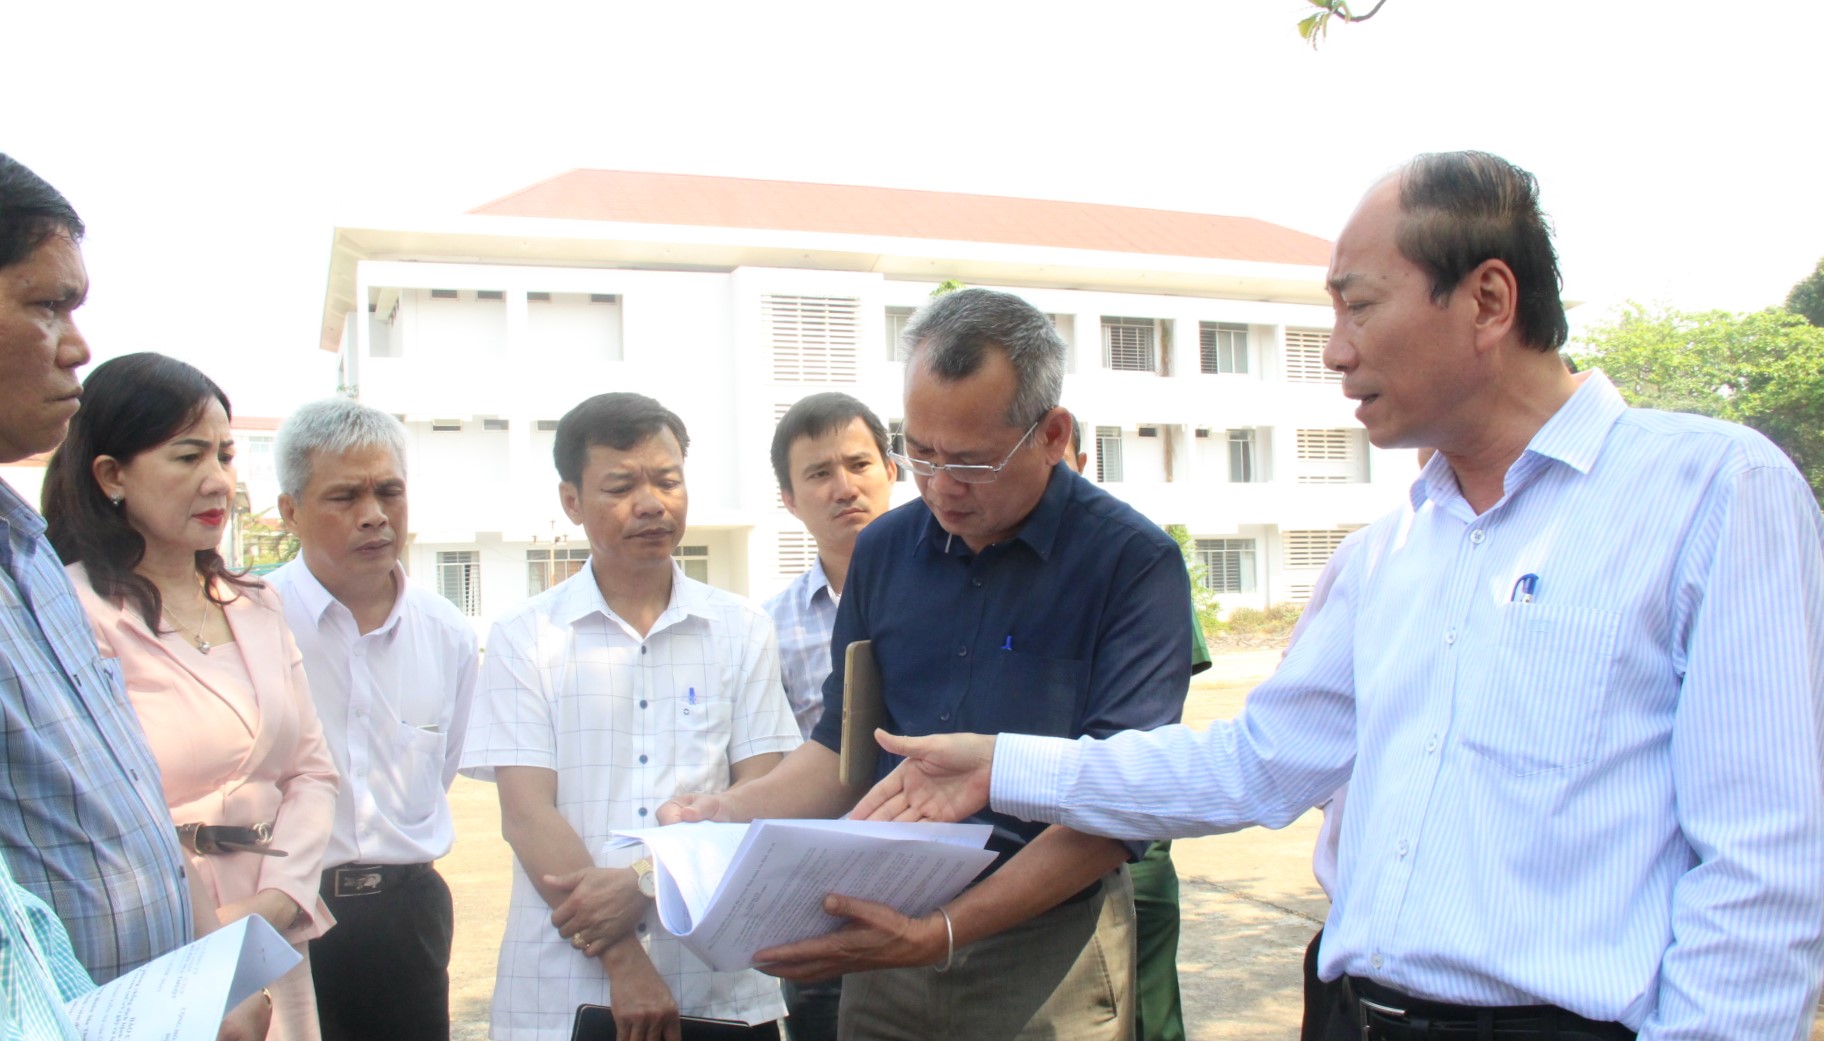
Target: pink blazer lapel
258,629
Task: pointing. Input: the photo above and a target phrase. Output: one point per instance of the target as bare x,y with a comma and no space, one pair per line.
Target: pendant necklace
196,634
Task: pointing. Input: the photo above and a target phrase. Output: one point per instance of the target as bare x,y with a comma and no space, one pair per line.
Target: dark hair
130,404
951,334
1462,208
815,416
617,421
30,212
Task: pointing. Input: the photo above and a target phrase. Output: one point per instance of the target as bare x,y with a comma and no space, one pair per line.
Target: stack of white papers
184,995
728,890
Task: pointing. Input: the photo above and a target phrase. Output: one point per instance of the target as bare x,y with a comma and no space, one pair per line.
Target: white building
1196,361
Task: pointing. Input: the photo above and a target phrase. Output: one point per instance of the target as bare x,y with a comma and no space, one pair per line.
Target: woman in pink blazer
137,500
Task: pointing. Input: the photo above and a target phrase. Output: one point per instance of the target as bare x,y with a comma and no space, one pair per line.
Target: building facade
1195,362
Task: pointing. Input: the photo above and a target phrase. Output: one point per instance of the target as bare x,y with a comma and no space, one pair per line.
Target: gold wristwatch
642,873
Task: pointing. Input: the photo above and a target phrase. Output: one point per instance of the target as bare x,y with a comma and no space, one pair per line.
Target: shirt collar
1574,436
579,597
1040,528
316,599
815,581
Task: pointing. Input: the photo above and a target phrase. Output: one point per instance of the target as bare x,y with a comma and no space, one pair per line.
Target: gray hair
333,425
951,335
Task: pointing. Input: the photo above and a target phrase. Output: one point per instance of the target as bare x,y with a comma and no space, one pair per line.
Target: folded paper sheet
728,890
183,995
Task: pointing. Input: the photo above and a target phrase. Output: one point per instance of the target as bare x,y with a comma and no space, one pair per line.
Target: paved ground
1249,902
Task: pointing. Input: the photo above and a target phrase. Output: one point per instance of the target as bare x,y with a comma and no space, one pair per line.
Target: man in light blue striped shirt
1576,686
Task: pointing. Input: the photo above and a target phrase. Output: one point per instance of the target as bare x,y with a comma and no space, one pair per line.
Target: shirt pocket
702,725
1540,699
415,772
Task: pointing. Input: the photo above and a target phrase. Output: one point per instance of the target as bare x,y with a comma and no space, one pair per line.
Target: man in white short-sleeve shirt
392,669
601,698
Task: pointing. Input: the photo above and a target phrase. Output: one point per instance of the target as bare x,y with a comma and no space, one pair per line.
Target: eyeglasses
967,473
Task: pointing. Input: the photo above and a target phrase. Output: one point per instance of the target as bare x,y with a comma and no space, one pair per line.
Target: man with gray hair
392,668
1013,594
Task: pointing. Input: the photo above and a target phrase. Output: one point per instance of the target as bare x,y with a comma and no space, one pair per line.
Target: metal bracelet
949,942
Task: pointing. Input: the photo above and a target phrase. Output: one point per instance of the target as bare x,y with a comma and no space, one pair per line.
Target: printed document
728,890
184,995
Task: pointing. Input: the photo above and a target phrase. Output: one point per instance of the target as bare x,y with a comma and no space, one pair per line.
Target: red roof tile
732,202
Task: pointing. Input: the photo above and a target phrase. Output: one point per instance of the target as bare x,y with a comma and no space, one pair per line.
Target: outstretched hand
876,937
944,778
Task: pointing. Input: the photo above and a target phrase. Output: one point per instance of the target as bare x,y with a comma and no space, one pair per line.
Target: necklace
196,633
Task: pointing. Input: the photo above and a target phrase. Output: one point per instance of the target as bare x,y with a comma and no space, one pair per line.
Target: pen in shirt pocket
1526,587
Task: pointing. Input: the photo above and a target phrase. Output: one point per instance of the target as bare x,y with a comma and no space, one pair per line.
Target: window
1228,564
897,317
493,424
604,298
538,298
1332,456
545,426
1225,347
547,567
695,561
1305,357
1108,454
1312,549
1127,344
796,551
459,580
443,294
445,426
491,294
813,337
1242,469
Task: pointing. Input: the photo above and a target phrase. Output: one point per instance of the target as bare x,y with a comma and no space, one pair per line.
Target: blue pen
1524,588
692,697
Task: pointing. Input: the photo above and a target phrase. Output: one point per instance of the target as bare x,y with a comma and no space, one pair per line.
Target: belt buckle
1370,1008
357,881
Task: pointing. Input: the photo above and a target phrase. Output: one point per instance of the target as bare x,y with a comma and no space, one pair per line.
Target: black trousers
383,970
1321,999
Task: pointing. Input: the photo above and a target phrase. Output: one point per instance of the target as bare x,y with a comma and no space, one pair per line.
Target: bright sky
212,152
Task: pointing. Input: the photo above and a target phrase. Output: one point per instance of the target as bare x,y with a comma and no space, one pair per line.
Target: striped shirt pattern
82,815
804,613
1609,798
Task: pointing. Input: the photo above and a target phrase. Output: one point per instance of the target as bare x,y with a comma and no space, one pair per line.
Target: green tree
1315,27
1807,298
1203,599
1764,370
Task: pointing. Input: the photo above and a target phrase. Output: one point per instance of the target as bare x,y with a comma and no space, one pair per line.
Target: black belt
1382,1012
368,879
218,839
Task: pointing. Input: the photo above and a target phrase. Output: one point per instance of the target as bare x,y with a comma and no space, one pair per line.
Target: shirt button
944,716
642,811
962,652
642,702
1375,960
1449,637
642,648
640,927
642,759
976,582
1477,536
1402,847
1431,744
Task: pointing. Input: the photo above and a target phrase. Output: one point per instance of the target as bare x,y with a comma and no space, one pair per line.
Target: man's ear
1496,293
1053,435
791,503
288,511
572,501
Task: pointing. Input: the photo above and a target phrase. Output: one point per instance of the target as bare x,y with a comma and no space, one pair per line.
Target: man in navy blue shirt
1012,595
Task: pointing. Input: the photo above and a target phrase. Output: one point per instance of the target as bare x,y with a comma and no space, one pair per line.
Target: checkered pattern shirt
82,815
804,613
626,723
38,971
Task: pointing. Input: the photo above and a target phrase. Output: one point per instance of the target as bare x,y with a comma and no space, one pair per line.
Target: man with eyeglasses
1013,594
